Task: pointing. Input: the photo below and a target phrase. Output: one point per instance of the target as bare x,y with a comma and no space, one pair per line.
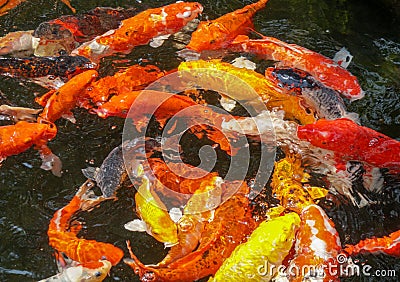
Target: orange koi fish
351,141
387,244
63,239
15,139
6,5
317,244
322,68
58,103
217,34
130,79
140,29
231,225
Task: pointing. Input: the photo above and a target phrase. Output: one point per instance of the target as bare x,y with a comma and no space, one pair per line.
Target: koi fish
140,29
351,141
198,210
81,273
231,225
244,85
326,102
87,252
287,185
325,70
34,67
66,33
6,5
15,139
130,79
155,219
218,33
17,43
58,103
317,245
266,247
387,244
19,113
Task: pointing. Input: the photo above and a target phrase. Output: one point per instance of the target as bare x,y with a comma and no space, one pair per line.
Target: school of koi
303,95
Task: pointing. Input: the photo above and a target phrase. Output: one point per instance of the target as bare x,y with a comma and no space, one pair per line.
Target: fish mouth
169,244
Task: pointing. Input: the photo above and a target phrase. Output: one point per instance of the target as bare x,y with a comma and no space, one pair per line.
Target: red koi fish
140,29
231,225
351,141
317,244
217,34
87,252
15,139
133,78
6,5
387,244
58,103
322,68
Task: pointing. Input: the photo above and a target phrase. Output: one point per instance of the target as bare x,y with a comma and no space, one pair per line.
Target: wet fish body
34,67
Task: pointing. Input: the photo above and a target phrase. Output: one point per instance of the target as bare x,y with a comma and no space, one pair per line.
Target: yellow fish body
240,84
155,217
258,258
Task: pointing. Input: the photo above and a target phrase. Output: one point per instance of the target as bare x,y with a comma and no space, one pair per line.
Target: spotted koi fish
34,67
322,68
317,244
266,248
218,33
88,253
15,139
325,101
140,29
387,244
351,141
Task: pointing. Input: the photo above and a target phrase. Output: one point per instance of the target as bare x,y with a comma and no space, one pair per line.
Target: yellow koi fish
155,219
267,246
243,84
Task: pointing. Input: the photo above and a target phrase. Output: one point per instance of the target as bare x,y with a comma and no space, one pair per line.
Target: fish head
96,274
165,231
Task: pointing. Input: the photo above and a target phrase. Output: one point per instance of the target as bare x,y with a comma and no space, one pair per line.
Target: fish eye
97,274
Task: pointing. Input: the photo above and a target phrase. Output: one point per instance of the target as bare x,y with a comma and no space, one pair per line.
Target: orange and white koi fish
81,273
140,29
231,225
218,33
58,103
322,68
63,239
387,244
17,138
317,245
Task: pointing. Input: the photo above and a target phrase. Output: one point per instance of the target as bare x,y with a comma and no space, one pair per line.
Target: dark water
30,196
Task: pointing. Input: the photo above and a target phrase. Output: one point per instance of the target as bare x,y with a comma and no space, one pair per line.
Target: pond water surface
29,196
